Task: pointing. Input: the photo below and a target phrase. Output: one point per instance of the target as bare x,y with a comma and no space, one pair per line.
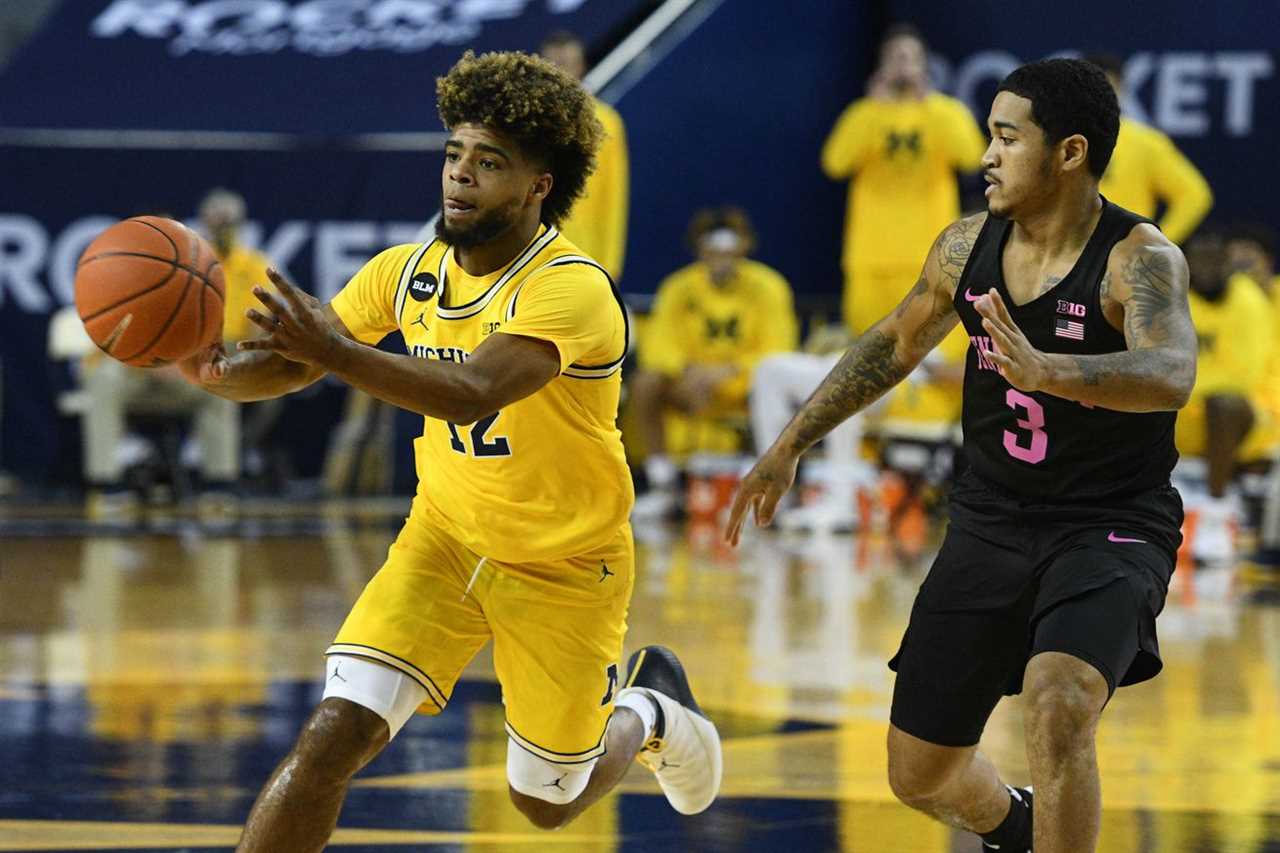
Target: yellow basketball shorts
557,629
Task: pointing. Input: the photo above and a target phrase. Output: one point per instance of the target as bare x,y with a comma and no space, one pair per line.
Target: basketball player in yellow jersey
518,532
901,145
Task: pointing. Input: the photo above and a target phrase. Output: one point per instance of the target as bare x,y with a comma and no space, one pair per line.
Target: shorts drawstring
474,575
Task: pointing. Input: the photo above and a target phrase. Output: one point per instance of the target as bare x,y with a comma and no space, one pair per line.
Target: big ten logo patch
1071,309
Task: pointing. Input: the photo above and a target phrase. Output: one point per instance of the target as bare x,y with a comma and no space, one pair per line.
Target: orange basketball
150,291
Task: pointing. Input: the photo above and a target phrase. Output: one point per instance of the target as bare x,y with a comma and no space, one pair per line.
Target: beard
489,225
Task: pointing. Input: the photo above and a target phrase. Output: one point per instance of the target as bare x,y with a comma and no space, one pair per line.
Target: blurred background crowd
769,189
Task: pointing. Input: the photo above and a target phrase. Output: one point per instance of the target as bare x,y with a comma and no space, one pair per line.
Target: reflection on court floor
150,679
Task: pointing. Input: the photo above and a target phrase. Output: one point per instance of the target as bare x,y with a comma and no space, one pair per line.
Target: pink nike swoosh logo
1112,537
969,297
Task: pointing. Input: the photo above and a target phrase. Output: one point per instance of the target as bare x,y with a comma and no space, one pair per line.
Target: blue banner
327,67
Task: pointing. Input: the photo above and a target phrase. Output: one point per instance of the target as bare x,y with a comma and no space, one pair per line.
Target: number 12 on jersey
481,444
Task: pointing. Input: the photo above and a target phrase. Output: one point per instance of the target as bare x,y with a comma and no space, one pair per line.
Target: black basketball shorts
1014,579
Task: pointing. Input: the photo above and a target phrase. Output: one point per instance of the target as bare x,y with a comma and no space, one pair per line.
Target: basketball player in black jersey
1063,528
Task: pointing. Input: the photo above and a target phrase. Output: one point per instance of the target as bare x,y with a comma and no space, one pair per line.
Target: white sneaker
655,505
684,749
822,517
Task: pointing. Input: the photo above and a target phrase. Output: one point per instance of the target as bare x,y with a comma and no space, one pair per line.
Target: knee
914,784
1062,713
339,739
540,813
919,772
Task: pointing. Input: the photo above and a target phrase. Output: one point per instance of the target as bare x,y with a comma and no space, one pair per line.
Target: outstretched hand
295,324
760,491
1025,367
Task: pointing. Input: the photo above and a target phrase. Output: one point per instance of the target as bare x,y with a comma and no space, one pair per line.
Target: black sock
1013,835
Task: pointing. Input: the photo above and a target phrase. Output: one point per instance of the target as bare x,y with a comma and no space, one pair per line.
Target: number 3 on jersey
481,444
1034,423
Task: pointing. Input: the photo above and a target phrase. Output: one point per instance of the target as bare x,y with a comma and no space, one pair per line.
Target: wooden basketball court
151,677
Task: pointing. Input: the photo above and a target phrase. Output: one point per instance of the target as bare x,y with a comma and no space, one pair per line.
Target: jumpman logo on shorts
418,322
336,667
556,783
604,572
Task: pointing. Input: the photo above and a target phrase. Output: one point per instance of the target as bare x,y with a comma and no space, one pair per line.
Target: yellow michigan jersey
518,533
902,157
546,477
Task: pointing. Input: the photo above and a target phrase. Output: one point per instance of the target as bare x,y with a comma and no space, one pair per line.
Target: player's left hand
295,324
1025,367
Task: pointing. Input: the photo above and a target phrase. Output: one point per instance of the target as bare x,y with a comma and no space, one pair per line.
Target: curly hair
545,111
1070,96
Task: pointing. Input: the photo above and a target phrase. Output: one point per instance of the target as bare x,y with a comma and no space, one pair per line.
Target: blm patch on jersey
423,286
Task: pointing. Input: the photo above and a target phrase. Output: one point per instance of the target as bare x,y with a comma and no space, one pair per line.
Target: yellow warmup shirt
242,269
695,321
902,158
1147,168
598,222
1235,335
545,478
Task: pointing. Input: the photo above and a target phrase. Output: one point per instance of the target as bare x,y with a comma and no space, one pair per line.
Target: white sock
634,699
660,471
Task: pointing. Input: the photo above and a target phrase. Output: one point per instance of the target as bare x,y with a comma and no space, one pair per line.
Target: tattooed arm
1144,291
876,361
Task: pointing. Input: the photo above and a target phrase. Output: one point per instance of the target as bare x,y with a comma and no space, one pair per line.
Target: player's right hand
209,366
760,491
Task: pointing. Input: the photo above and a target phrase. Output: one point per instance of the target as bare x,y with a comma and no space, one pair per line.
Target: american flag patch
1065,328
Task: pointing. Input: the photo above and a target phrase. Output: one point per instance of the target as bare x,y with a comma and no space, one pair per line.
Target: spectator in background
1148,170
712,321
1251,251
598,223
901,145
222,216
1225,421
115,390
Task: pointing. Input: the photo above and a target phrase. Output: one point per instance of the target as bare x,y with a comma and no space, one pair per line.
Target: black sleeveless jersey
1034,444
